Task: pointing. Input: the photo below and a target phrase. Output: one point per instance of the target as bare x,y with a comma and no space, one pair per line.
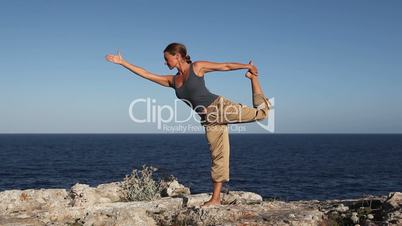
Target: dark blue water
289,167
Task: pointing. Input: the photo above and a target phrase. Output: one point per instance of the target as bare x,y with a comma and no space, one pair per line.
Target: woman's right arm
161,80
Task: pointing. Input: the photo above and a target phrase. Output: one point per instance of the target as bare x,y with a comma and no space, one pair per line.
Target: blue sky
332,66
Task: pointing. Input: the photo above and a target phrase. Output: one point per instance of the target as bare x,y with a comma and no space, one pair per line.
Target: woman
216,111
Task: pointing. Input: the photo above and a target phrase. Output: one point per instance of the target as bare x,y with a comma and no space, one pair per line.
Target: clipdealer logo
163,114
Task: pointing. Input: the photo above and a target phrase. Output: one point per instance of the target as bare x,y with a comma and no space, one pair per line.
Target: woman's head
174,53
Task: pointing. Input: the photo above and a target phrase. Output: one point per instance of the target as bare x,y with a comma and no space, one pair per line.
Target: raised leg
227,112
255,84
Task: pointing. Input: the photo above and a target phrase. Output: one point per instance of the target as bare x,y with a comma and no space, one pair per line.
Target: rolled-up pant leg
218,141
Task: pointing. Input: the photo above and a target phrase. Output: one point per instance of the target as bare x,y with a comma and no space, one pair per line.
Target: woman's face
170,60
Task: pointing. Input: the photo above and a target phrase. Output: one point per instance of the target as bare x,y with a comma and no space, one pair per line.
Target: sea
276,166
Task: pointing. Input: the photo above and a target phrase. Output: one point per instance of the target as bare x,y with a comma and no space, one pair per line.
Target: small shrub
140,185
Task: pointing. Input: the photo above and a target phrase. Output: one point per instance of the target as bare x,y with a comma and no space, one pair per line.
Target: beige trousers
219,114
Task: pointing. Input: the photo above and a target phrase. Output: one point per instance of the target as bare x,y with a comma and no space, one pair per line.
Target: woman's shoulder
197,66
198,63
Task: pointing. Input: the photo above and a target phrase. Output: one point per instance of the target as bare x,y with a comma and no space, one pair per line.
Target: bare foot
250,75
211,203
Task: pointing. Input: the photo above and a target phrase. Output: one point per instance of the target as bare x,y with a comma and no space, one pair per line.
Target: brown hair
174,48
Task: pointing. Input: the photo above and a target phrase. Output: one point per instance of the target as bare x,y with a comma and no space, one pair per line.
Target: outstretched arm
206,66
161,80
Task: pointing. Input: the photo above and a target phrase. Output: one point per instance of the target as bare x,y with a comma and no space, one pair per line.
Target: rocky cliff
104,205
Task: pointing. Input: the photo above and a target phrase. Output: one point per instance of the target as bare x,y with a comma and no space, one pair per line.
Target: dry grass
141,186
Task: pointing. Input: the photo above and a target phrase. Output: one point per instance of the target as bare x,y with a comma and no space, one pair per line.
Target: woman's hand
117,59
252,68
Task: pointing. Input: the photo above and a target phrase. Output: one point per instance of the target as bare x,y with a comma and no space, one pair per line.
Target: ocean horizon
297,166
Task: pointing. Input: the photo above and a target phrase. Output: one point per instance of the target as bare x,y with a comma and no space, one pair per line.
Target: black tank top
193,90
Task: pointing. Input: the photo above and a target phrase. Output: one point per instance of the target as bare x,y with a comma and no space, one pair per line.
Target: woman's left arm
206,66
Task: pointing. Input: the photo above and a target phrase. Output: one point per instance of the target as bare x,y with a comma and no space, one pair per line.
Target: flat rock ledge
104,205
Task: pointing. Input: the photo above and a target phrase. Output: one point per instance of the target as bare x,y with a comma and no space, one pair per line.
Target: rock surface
103,205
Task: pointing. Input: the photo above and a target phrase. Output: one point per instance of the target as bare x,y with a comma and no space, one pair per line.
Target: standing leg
218,141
